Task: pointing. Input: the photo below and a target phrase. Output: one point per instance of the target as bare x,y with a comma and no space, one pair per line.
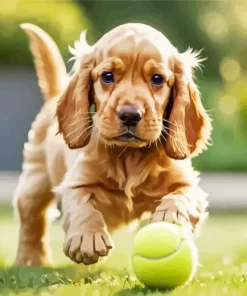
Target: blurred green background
219,27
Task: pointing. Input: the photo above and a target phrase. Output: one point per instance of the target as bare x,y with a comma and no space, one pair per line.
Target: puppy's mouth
128,137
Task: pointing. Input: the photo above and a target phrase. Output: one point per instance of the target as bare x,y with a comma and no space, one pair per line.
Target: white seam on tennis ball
159,258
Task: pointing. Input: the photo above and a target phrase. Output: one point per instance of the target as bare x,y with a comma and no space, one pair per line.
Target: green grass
222,250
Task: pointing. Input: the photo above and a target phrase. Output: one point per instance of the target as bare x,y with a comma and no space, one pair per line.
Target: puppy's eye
157,80
107,77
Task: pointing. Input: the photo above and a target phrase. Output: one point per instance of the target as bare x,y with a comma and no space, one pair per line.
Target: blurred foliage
64,20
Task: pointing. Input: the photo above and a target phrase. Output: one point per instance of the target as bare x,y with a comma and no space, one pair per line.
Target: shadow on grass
143,291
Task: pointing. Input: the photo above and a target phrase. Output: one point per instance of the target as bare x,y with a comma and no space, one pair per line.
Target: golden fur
105,182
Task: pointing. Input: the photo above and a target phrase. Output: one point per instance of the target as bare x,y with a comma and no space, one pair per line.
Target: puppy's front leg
185,206
87,237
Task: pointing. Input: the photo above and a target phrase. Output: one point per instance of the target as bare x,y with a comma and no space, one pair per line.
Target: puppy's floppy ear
189,125
73,108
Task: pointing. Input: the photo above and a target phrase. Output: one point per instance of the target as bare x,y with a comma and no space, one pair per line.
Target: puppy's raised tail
49,64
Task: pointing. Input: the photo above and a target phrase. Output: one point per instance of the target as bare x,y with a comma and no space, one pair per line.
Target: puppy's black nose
130,116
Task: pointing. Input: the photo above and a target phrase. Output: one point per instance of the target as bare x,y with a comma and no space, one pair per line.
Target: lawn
223,271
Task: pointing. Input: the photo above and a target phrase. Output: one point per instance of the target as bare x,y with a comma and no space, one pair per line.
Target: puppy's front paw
171,210
87,247
89,241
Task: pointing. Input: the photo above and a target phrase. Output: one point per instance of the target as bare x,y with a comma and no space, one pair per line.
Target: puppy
129,158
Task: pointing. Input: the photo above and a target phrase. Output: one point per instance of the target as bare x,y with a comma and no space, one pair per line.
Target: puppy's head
143,92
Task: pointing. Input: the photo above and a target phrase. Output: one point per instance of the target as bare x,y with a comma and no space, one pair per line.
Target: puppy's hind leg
33,199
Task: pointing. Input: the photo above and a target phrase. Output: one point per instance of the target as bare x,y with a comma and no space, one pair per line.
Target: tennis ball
163,257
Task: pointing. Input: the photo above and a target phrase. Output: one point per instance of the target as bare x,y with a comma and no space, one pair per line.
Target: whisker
122,152
176,124
177,147
80,119
82,133
176,140
78,128
169,129
161,135
88,127
86,112
87,135
168,134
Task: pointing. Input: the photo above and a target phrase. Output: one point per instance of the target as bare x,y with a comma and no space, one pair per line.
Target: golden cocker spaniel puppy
128,159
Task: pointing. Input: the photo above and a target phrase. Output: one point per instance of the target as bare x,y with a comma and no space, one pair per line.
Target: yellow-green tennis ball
163,257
